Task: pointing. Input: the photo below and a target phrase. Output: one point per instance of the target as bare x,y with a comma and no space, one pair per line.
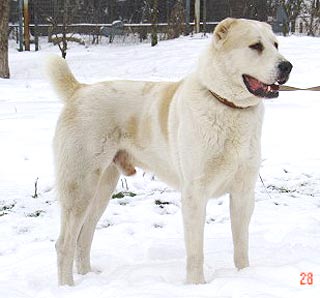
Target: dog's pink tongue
255,84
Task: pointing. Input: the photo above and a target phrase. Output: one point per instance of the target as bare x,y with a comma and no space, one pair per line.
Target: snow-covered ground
138,248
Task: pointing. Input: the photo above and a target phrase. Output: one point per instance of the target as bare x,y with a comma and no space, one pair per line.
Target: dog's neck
217,81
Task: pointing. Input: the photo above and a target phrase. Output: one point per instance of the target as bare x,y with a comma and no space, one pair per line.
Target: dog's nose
285,67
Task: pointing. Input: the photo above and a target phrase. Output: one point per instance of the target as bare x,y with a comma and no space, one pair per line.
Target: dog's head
248,53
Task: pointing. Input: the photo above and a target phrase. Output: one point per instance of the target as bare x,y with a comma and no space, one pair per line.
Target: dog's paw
241,264
195,279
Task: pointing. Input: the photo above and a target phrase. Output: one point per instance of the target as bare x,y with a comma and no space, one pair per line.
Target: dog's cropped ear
220,33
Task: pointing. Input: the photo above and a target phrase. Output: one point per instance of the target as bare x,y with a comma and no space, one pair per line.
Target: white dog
201,135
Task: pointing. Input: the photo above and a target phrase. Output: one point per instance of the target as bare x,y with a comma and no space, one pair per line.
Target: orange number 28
306,278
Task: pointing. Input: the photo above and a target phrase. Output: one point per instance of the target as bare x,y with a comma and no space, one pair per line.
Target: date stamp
306,278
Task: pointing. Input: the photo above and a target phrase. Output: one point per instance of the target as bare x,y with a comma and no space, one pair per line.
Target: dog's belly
159,165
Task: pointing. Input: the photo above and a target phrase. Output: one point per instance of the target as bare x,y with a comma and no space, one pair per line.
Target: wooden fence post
26,25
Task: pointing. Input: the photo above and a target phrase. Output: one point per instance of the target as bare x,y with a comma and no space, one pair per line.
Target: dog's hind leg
77,186
73,213
107,183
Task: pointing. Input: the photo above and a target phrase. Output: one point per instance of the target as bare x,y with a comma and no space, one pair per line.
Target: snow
138,250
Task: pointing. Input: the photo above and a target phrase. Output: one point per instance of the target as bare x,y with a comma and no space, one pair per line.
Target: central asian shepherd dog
200,135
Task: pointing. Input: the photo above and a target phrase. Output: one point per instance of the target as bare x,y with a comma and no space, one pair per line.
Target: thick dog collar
227,102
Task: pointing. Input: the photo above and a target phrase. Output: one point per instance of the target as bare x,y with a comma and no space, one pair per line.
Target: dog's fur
180,131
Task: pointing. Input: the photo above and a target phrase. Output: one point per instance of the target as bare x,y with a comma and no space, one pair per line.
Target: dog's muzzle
264,90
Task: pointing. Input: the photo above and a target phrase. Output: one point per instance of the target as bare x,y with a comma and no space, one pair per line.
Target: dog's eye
257,47
276,45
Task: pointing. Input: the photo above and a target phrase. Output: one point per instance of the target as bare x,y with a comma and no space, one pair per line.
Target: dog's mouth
261,89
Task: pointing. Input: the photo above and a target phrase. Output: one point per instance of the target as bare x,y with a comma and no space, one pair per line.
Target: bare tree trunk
4,22
197,16
204,17
187,17
293,9
154,19
314,17
64,46
261,6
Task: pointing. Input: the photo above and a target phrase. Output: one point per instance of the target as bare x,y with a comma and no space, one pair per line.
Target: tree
256,9
293,8
237,8
312,16
176,20
197,15
252,9
4,23
262,10
154,18
65,13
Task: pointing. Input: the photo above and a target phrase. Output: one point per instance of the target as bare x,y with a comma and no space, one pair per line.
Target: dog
201,135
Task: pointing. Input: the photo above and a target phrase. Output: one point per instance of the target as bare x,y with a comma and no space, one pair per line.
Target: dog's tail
61,77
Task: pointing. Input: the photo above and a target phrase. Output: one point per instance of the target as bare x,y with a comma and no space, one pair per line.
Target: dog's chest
232,144
231,131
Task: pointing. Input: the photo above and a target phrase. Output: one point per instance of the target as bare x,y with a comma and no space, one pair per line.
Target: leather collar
227,102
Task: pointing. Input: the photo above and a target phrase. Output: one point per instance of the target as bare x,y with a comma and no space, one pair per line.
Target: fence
91,17
140,18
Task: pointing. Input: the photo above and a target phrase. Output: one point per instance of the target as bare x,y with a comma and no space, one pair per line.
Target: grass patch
36,213
5,208
123,194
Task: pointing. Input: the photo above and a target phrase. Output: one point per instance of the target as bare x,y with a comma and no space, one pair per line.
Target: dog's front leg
194,212
241,208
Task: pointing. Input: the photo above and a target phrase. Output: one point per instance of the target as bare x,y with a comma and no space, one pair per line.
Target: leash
265,188
288,88
291,88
